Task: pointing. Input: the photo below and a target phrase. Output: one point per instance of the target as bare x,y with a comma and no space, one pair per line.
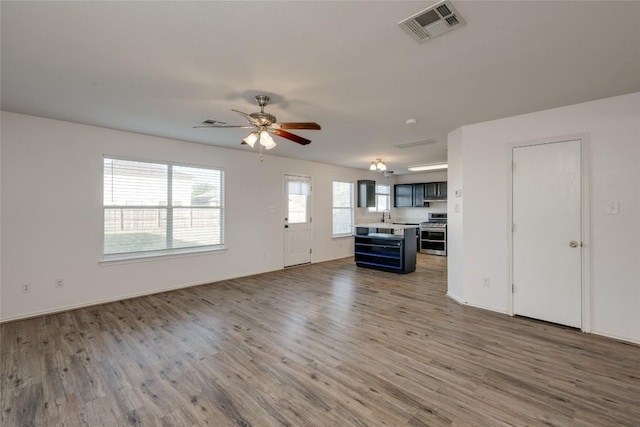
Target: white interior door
547,242
297,229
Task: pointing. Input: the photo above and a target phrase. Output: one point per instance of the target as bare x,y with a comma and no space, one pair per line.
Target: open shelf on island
388,252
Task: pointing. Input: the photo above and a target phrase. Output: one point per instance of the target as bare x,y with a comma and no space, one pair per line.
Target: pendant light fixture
378,165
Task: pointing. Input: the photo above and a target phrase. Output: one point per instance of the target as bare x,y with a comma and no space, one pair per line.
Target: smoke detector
433,21
387,174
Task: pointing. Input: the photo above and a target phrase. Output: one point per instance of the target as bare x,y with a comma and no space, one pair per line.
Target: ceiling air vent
433,21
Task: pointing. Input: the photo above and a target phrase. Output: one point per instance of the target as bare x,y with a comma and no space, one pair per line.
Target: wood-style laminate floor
323,345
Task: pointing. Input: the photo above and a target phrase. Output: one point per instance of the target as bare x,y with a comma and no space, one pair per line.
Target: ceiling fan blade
292,137
224,126
250,119
210,123
296,125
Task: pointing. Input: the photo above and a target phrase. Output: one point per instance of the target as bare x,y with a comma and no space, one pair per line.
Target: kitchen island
386,246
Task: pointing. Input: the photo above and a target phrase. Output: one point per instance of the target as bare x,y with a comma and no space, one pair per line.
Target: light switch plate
458,192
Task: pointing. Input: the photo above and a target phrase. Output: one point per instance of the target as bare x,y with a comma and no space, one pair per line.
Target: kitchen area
415,224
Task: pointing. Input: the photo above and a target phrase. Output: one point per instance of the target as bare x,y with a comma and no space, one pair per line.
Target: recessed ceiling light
431,167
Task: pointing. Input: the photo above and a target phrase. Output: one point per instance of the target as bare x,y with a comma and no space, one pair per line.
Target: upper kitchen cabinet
366,194
403,195
435,191
442,194
419,195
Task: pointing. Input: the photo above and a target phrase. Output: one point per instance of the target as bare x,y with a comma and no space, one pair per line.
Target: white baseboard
456,298
135,295
616,337
98,302
118,298
593,332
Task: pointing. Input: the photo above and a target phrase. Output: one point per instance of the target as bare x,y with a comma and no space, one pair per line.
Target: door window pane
297,209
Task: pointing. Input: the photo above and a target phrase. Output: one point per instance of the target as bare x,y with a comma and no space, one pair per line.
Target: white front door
547,241
297,229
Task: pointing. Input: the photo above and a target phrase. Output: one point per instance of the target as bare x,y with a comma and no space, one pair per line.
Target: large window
383,198
159,208
342,208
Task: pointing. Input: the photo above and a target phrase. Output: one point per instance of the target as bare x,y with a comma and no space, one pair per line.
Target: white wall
51,215
455,217
613,126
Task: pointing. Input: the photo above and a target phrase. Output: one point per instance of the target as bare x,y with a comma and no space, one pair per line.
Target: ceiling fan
264,124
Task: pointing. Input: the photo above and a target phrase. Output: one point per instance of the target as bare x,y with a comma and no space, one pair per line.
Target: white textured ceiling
161,67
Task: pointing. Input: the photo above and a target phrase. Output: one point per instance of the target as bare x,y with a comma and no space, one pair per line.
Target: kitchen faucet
386,211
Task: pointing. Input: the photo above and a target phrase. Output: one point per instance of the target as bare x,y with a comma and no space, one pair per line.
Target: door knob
573,244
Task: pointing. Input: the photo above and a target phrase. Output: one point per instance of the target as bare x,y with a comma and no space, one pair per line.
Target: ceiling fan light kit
264,125
266,141
251,139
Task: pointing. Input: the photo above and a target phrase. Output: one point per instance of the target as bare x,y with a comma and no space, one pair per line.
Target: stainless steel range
433,235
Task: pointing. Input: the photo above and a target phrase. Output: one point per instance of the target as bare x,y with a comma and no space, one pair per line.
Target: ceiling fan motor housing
265,119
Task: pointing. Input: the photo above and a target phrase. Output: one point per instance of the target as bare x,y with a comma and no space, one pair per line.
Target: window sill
108,260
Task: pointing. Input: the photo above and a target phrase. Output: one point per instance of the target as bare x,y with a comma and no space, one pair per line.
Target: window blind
157,207
342,208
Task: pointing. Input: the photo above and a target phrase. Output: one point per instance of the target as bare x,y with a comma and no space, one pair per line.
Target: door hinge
310,250
310,220
513,288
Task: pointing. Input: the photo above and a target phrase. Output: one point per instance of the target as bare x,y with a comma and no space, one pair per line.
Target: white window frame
350,208
124,256
377,208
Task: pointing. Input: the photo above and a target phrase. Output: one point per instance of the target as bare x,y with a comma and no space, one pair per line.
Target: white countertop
387,225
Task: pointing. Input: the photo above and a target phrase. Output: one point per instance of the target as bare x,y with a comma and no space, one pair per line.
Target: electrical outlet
26,288
487,282
59,283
